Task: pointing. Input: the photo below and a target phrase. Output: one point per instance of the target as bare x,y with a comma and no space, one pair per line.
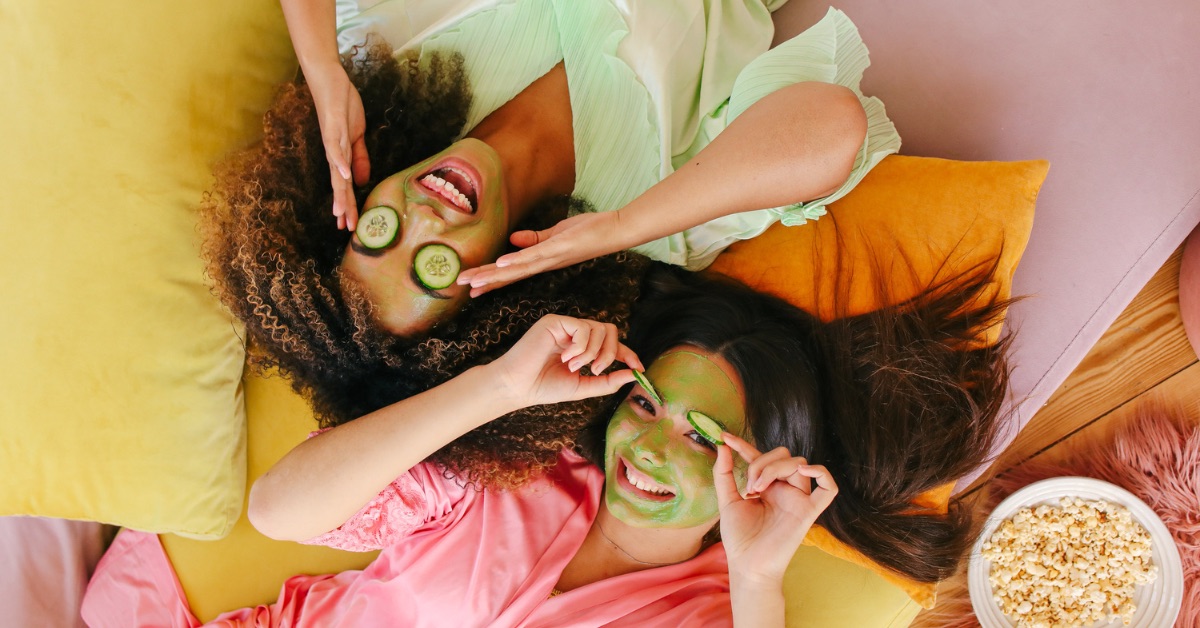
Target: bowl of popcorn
1074,551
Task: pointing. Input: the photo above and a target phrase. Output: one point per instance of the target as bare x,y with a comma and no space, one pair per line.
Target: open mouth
455,185
642,485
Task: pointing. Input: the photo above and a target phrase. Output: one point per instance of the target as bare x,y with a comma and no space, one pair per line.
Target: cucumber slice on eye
377,227
437,266
707,426
640,378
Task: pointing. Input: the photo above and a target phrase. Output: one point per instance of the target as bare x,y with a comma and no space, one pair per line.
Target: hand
761,534
576,239
343,126
544,365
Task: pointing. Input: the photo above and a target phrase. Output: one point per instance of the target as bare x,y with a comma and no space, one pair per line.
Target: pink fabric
452,556
44,568
1105,90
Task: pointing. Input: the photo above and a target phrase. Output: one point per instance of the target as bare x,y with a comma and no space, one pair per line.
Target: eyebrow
424,288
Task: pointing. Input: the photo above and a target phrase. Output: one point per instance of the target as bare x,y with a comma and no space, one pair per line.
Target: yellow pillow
246,568
119,387
908,210
828,584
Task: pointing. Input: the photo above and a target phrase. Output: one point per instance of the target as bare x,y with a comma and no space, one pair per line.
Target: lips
454,183
641,484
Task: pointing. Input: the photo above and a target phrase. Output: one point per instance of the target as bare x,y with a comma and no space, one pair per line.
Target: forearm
312,25
756,603
794,145
325,480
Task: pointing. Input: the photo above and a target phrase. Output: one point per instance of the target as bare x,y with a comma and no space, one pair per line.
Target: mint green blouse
651,84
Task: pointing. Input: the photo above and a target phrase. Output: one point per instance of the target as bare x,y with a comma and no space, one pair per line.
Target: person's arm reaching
796,144
321,483
313,28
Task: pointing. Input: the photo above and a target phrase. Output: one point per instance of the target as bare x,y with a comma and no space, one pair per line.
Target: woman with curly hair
649,522
489,113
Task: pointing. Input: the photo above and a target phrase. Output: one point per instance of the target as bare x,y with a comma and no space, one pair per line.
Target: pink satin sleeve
423,495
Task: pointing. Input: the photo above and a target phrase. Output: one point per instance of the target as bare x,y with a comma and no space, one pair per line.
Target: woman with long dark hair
650,522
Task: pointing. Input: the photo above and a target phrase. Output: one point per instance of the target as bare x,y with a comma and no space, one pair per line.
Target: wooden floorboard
1143,357
1143,348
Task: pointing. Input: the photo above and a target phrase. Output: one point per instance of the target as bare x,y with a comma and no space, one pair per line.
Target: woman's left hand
785,495
577,239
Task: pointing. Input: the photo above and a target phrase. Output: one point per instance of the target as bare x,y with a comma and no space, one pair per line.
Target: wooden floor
1144,355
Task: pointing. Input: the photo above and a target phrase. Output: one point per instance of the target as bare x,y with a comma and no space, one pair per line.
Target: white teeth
643,485
447,191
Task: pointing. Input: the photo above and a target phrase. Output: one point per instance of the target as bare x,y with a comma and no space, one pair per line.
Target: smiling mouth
642,485
454,185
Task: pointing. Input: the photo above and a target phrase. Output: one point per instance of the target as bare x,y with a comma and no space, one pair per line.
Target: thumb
726,485
601,385
527,238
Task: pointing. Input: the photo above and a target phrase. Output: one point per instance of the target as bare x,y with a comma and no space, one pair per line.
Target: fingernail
344,172
478,283
501,263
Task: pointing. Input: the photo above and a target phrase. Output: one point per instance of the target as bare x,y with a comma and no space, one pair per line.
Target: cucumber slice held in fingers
377,227
707,426
437,266
640,378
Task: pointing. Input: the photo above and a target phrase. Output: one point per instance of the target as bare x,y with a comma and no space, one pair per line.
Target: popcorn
1074,564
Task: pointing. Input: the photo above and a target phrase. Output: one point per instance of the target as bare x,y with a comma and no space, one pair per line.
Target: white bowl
1157,602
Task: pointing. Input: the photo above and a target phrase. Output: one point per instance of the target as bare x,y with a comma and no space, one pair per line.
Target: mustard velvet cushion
916,213
119,386
928,205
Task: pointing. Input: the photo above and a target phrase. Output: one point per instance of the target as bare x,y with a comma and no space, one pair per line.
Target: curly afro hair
273,252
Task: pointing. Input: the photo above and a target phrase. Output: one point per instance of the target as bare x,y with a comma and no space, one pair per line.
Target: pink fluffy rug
1156,456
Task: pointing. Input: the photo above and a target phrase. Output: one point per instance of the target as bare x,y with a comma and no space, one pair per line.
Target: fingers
579,344
626,355
492,276
754,480
744,449
605,384
826,488
723,480
582,342
785,470
608,350
345,208
359,163
527,238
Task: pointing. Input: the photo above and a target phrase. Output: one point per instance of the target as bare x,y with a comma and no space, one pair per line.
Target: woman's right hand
545,365
343,127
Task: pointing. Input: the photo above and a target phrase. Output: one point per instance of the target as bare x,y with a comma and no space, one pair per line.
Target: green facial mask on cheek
658,447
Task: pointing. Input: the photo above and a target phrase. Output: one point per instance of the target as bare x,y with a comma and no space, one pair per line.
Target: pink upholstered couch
1106,90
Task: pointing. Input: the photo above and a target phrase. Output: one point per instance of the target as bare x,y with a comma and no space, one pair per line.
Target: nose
427,216
650,446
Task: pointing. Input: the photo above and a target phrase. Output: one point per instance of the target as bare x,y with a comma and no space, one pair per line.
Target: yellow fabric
119,386
246,568
908,212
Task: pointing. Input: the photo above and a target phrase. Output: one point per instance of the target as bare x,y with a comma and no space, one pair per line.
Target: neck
644,548
533,136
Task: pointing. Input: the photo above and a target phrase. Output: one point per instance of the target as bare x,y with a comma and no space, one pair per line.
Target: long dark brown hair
894,402
273,251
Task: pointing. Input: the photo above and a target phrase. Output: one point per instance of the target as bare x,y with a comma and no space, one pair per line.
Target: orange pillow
916,212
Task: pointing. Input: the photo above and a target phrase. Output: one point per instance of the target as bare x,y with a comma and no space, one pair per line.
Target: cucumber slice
377,227
437,266
640,378
707,426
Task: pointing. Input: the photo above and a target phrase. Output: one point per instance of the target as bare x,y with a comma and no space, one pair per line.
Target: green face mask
658,468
